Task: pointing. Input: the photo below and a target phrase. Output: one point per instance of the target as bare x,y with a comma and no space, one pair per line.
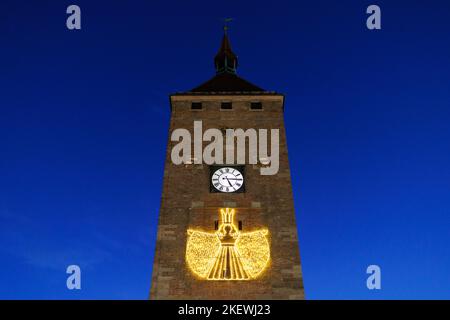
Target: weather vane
225,23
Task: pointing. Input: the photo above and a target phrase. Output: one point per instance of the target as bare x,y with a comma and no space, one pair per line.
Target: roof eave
226,93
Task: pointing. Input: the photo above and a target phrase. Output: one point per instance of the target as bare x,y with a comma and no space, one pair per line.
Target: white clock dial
227,179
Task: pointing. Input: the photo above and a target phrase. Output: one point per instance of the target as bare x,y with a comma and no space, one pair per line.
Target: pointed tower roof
226,80
225,60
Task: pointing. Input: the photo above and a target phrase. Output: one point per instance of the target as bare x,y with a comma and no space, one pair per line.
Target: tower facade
226,231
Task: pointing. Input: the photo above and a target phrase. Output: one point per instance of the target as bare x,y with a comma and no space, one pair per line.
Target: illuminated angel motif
227,254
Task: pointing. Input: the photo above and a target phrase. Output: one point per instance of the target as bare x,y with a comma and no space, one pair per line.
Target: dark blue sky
84,122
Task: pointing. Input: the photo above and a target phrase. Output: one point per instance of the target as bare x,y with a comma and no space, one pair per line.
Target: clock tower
226,231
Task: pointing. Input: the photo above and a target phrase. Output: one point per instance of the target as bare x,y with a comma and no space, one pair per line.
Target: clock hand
228,181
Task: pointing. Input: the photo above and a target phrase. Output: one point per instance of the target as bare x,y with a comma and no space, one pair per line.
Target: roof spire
225,60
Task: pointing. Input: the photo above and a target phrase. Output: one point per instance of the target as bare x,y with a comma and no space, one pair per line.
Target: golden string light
227,254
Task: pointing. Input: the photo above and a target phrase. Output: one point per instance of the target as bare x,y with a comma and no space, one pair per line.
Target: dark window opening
240,225
216,225
256,106
226,106
196,106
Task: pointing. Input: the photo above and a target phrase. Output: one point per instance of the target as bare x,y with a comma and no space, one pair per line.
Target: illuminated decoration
227,254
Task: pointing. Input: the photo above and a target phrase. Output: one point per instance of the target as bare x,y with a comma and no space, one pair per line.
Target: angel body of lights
227,254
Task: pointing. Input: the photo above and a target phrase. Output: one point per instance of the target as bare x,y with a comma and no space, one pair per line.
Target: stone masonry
187,203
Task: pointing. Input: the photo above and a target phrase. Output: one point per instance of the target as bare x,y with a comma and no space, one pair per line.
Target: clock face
227,179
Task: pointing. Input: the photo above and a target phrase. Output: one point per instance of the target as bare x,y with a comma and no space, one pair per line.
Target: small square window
256,106
196,106
226,106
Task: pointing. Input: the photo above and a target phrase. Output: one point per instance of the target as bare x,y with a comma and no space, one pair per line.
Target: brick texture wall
187,203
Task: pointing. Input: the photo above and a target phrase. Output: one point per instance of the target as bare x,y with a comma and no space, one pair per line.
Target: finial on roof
225,24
